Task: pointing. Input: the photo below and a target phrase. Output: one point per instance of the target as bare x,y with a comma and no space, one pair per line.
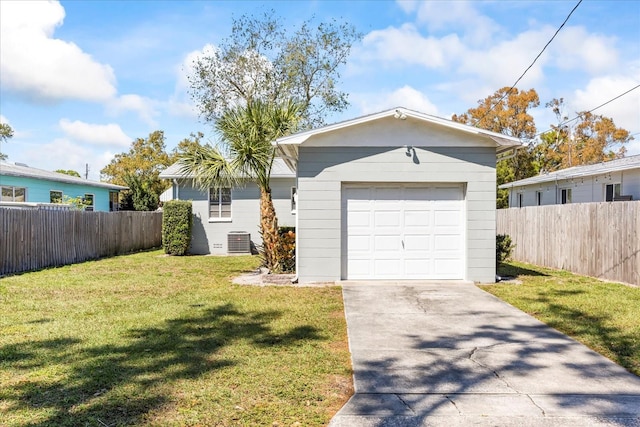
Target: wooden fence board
594,239
35,239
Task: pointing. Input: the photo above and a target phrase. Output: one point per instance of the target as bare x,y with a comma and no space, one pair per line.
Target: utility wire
529,67
590,111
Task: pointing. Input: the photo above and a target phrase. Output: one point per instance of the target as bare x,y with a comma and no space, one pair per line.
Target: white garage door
404,232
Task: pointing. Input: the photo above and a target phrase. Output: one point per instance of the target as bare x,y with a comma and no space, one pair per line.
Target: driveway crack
536,405
495,372
405,404
454,404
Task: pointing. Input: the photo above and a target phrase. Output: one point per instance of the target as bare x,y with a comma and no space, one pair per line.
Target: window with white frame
13,194
55,196
88,202
114,201
294,200
538,198
220,204
565,196
611,191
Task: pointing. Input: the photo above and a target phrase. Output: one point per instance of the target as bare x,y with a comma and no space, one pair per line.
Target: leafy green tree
589,139
193,142
6,133
270,60
69,172
146,158
508,113
245,153
140,196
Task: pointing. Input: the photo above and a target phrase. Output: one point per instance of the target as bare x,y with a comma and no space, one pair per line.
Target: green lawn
604,316
146,339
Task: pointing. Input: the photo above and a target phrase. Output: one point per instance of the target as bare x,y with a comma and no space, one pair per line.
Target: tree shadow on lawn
623,347
113,385
510,270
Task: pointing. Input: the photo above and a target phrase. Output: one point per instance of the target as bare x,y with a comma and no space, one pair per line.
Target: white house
601,182
396,195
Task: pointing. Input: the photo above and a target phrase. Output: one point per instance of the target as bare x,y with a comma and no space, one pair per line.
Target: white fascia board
500,139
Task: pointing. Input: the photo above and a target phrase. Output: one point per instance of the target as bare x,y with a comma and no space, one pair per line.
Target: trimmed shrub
504,247
177,220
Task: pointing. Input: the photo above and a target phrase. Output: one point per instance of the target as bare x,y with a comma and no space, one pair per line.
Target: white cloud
405,96
62,153
456,15
625,111
502,63
3,119
41,67
144,107
181,104
575,48
108,135
406,46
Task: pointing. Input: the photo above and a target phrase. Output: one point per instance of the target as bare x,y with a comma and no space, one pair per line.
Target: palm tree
245,153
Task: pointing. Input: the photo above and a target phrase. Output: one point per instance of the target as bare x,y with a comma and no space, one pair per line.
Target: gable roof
625,163
279,170
19,170
503,142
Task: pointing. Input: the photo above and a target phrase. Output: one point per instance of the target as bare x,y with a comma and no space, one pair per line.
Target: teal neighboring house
23,185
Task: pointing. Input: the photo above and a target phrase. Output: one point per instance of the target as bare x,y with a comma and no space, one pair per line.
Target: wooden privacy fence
594,239
34,239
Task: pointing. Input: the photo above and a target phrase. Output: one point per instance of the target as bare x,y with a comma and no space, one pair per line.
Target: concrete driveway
428,354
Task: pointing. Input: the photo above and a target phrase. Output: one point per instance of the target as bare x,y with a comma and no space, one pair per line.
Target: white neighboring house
601,182
228,220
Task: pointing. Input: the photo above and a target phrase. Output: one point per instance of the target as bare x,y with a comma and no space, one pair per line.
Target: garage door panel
441,194
359,218
447,268
447,218
359,268
418,269
387,267
386,243
447,243
418,242
405,233
416,218
360,243
386,219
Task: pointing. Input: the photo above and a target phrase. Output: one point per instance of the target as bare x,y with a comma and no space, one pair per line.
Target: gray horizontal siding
322,172
210,237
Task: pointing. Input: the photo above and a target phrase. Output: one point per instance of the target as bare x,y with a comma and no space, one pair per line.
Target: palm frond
209,168
248,132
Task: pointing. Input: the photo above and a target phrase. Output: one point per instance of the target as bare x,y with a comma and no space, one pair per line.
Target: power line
529,67
591,111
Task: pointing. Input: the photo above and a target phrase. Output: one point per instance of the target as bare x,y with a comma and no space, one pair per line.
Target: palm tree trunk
269,231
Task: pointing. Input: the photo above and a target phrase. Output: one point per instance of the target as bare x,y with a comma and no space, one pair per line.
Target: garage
396,195
403,232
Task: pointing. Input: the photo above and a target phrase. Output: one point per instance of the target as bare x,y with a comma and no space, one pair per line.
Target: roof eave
503,142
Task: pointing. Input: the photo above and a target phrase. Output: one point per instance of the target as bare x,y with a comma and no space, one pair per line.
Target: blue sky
79,80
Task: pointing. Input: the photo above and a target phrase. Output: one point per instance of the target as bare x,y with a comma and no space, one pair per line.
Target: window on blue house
13,194
55,196
88,202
